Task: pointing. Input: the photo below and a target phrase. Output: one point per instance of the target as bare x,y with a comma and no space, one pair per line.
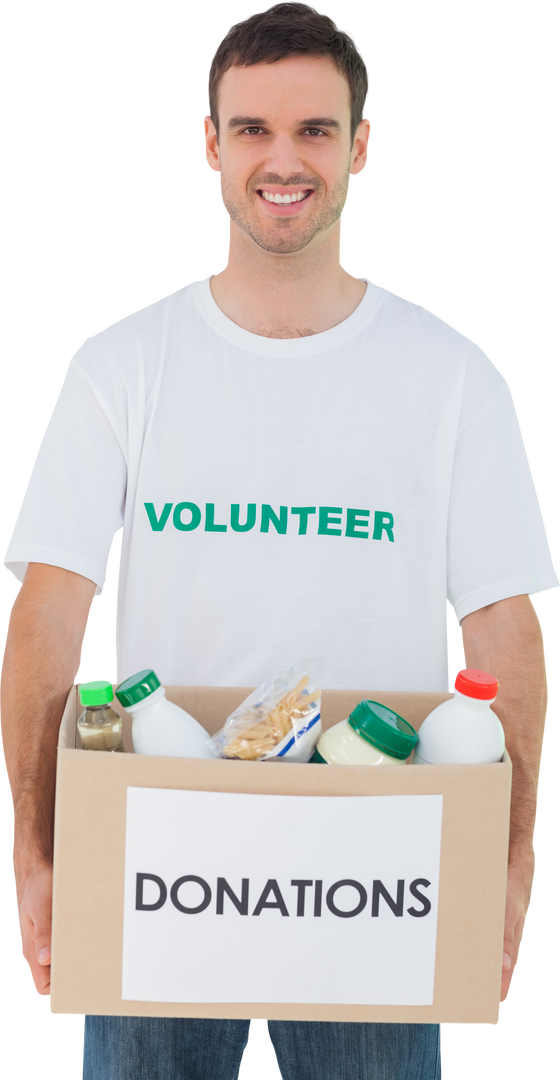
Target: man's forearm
38,673
41,659
505,639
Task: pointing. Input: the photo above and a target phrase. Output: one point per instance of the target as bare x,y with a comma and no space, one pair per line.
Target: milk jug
463,730
158,726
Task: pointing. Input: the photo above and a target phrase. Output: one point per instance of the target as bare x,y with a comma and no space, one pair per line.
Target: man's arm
505,639
40,663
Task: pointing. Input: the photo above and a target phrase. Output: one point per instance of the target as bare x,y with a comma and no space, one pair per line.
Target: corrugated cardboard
89,859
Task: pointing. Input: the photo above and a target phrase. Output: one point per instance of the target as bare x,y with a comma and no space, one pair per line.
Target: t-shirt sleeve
497,545
74,502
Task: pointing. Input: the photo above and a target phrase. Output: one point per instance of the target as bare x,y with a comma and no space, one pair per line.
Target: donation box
214,888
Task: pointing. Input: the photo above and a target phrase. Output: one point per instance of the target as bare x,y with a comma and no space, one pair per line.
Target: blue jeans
146,1048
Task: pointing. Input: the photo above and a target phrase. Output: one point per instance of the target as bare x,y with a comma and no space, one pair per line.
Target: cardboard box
89,855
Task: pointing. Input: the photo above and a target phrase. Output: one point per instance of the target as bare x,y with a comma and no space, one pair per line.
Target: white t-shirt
245,470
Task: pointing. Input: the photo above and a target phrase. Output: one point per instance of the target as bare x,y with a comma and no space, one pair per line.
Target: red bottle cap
476,684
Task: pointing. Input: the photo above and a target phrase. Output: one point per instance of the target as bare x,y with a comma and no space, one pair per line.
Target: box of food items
205,867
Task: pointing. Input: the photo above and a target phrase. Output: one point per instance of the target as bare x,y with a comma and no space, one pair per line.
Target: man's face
284,135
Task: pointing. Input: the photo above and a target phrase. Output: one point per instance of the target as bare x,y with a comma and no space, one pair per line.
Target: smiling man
285,171
245,432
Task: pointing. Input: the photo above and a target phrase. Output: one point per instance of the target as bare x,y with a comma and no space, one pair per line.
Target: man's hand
35,906
519,883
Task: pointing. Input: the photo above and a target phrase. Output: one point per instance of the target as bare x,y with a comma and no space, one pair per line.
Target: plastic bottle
99,726
372,735
158,726
463,730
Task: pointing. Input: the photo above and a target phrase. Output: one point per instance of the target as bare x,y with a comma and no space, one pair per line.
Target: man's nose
284,158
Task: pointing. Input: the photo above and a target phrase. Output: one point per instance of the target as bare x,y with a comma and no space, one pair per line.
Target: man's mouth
286,198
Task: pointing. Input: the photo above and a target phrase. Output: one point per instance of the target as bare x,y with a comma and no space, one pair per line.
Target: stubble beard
287,234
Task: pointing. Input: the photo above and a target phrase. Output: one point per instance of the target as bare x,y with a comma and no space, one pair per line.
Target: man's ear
362,146
212,148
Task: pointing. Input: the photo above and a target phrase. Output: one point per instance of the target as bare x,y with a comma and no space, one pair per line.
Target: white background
209,957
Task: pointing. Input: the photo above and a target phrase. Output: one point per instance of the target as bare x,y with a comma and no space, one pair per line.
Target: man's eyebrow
258,121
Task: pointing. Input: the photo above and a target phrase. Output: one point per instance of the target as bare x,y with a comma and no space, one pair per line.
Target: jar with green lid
372,735
99,726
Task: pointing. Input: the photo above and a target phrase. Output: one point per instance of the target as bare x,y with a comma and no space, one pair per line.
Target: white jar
372,735
464,730
158,726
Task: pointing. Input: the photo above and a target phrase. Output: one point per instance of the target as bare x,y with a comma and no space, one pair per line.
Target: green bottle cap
383,728
96,693
137,687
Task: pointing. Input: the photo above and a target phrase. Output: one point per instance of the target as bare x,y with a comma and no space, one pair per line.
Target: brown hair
290,30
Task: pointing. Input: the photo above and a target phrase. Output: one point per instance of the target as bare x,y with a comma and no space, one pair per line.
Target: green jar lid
383,728
137,688
96,693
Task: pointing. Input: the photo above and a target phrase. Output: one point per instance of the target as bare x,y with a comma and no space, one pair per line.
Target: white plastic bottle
158,726
463,730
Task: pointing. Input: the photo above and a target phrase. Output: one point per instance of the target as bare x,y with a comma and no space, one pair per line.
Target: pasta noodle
259,738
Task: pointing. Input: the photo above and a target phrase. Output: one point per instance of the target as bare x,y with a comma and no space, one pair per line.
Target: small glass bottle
99,726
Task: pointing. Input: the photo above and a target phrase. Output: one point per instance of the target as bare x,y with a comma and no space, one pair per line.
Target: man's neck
288,309
286,296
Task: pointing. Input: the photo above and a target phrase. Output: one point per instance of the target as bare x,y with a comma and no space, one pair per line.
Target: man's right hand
35,915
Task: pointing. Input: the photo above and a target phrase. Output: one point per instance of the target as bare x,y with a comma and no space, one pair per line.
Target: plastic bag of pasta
280,720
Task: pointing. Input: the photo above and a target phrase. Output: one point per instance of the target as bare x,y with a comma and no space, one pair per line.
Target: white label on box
280,898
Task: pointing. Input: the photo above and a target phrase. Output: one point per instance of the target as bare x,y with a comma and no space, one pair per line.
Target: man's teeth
296,197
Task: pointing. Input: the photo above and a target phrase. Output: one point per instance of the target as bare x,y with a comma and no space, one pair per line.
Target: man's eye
314,131
260,129
251,130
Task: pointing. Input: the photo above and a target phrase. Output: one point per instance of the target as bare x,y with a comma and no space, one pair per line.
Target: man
246,432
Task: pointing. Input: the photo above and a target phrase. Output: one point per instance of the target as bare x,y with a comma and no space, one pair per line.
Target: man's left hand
519,882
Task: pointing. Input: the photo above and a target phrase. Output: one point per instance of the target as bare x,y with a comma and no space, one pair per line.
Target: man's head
287,90
290,30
